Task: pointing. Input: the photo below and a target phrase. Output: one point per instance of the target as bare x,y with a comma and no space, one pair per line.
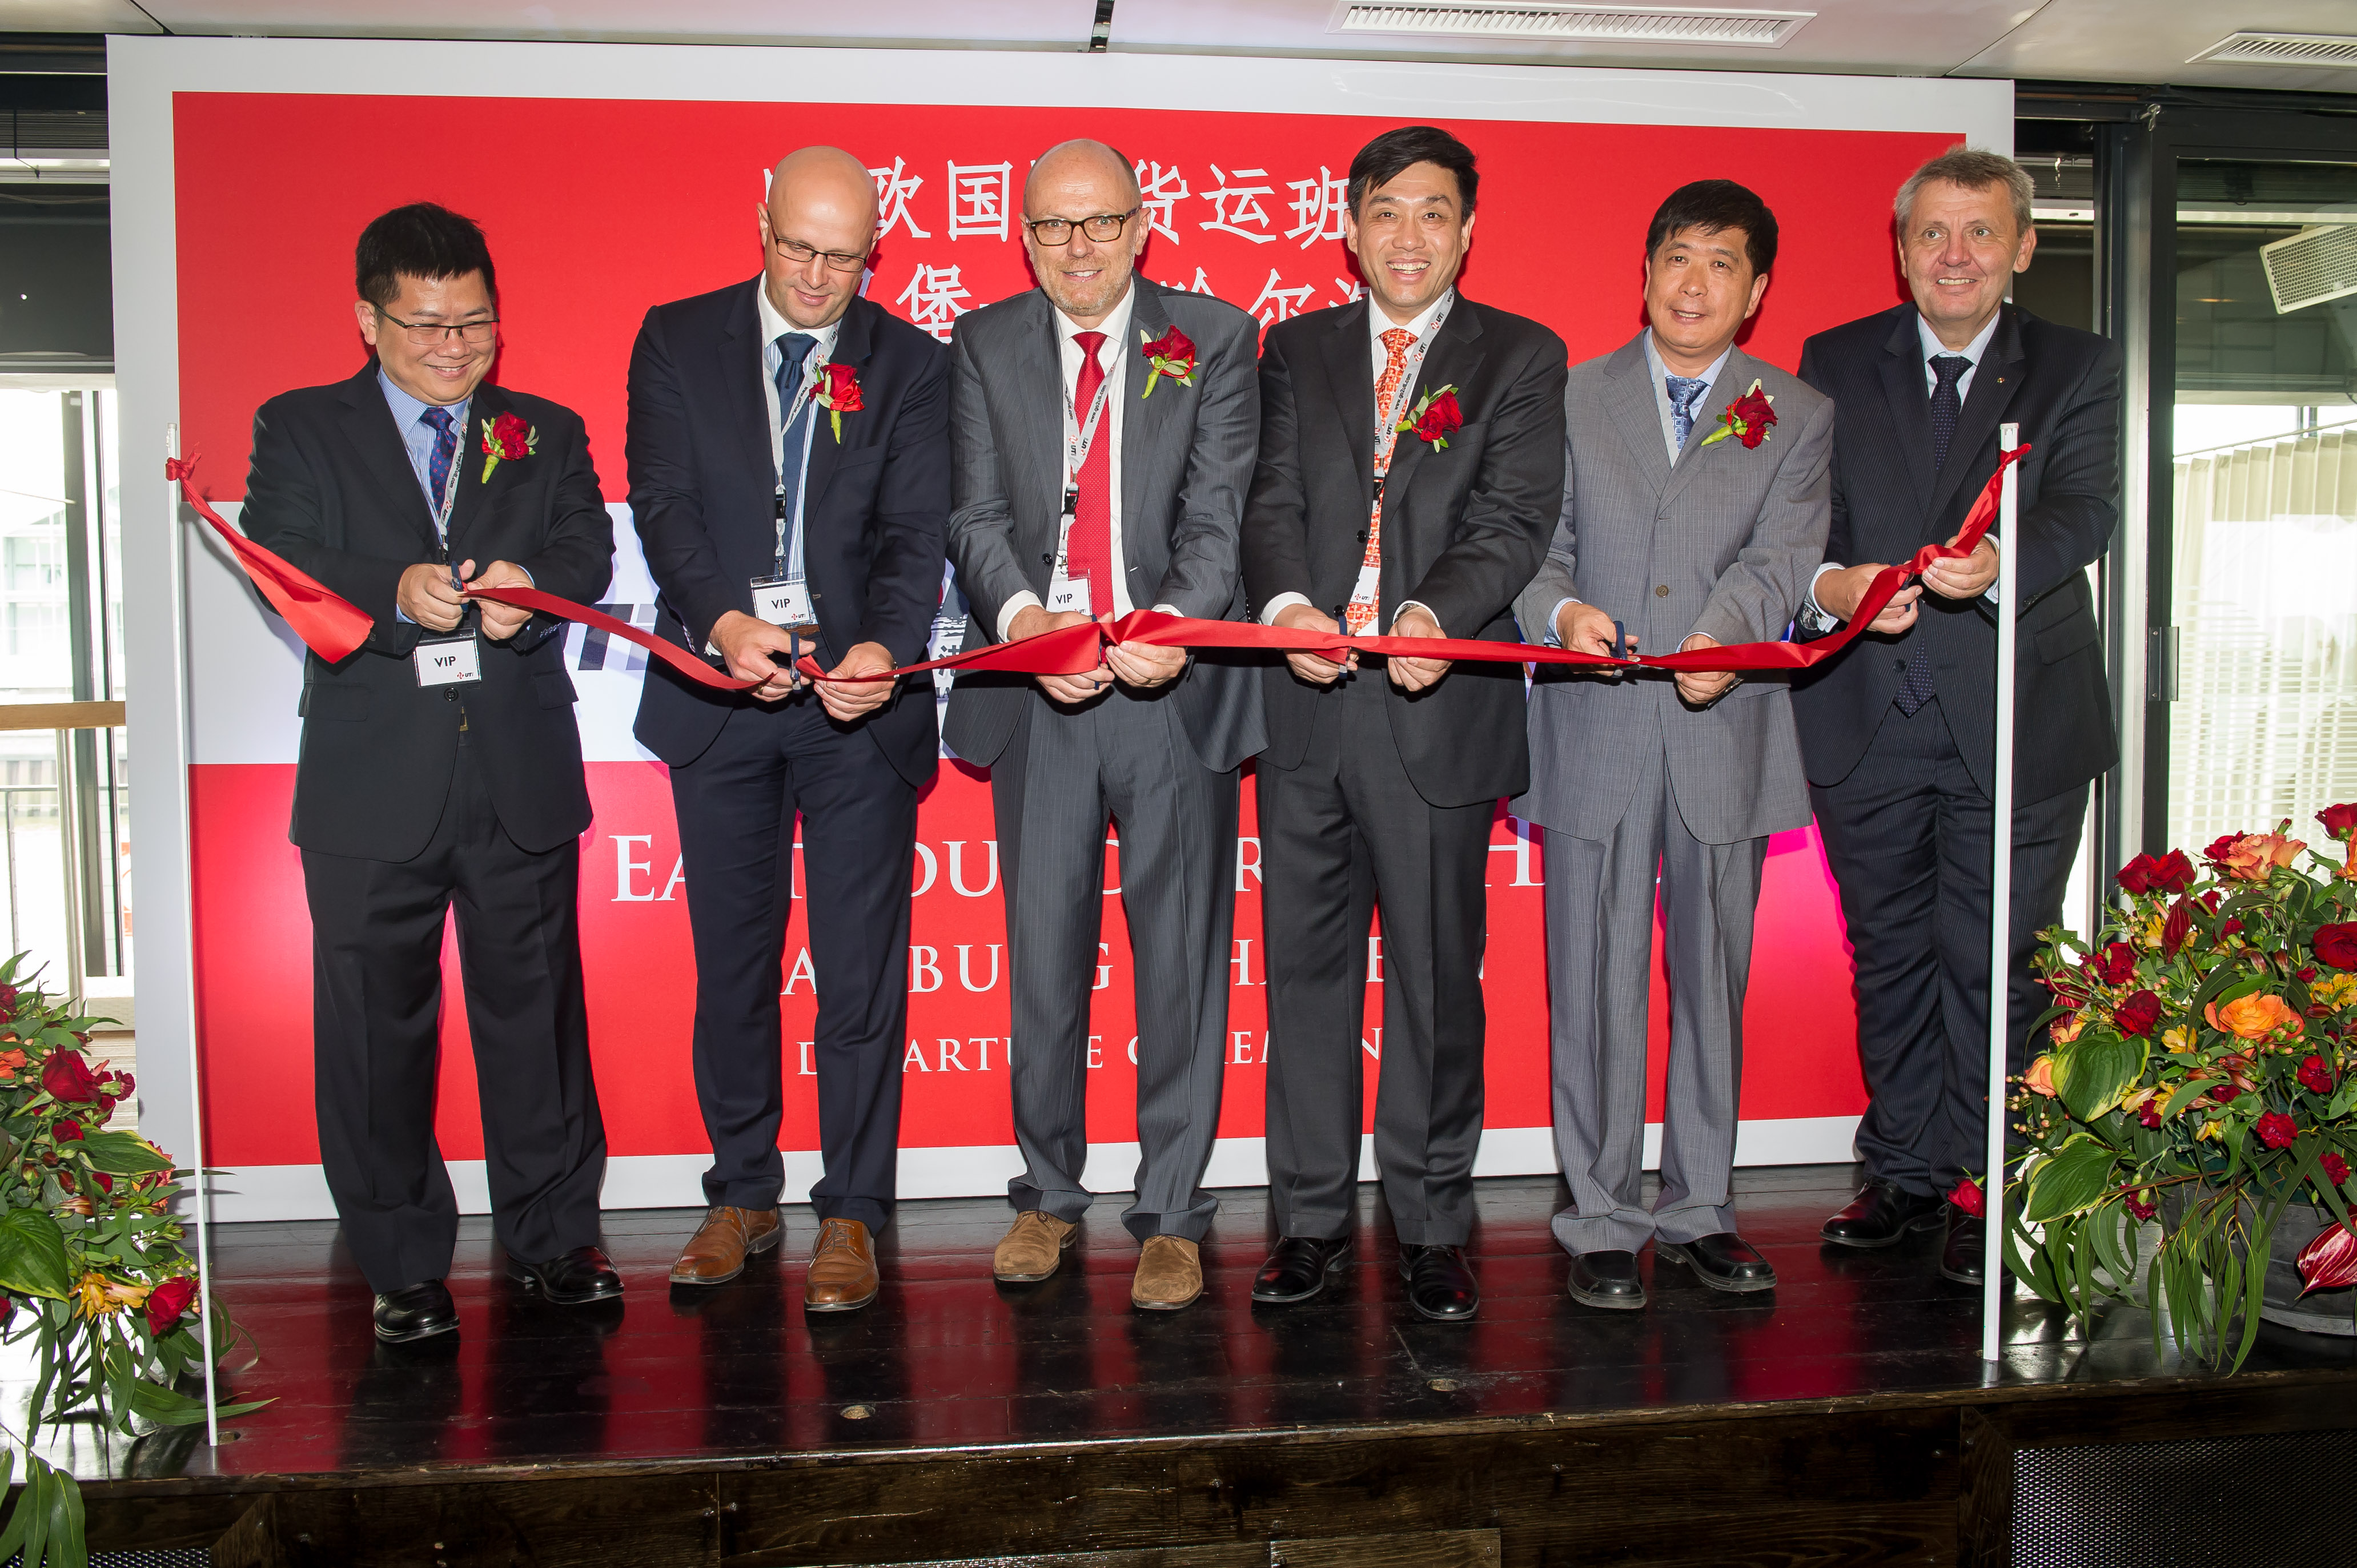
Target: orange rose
2253,1017
2065,1029
2040,1078
2251,857
9,1062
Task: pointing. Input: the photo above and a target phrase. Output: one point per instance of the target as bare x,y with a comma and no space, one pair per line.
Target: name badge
786,602
1069,595
448,661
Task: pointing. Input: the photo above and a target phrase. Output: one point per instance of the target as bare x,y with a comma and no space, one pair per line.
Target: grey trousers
1599,919
1062,774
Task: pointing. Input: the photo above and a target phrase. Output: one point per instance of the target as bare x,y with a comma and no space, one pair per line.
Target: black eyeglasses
1054,231
429,335
799,255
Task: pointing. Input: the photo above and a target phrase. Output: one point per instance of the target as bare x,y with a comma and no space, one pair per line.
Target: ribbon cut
334,627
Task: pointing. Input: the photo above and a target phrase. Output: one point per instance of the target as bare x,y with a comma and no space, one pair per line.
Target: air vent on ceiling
2248,47
1722,26
2312,266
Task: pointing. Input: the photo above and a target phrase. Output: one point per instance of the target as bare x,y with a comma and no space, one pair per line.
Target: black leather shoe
1723,1262
571,1279
1439,1285
1882,1215
415,1312
1608,1280
1961,1259
1299,1267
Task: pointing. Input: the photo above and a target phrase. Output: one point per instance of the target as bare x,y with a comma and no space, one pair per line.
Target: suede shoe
570,1278
1032,1249
415,1312
1723,1262
1964,1258
1169,1275
843,1277
1608,1280
1299,1267
716,1252
1881,1215
1441,1287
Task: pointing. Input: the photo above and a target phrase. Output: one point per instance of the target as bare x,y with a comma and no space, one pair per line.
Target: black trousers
1340,834
376,1006
1910,837
736,805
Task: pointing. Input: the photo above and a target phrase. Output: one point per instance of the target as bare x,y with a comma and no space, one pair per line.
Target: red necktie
1088,547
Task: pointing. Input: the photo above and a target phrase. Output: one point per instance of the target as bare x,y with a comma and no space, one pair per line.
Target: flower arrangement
93,1272
2197,1075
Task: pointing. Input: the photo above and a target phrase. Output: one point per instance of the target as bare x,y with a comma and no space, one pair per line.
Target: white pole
2000,906
181,700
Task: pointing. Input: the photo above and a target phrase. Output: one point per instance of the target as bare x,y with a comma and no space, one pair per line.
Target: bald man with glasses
789,450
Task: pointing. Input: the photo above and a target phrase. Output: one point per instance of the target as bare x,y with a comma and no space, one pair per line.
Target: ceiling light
1722,26
2312,266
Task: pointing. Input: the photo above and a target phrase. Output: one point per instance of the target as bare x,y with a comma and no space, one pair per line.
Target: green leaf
2095,1070
33,1255
68,1537
121,1154
2073,1179
168,1407
2184,1095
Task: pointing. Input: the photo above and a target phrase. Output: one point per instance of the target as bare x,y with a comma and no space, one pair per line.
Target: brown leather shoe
843,1274
1032,1248
716,1252
1169,1275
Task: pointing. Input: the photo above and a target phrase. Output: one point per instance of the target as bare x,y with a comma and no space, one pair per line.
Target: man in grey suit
1694,528
1103,431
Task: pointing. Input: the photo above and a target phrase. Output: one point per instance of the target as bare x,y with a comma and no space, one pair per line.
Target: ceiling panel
2152,40
995,24
74,16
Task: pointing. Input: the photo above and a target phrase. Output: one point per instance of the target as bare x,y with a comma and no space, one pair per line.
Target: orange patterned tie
1360,614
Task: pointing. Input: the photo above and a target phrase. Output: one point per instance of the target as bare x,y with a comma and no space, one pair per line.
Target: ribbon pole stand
2000,908
202,1202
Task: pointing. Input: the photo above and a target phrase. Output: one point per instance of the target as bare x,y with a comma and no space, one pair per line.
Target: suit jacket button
1046,559
1661,591
1362,536
449,693
1899,666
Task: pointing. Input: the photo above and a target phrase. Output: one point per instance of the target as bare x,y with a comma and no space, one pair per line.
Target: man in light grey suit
1692,527
1100,461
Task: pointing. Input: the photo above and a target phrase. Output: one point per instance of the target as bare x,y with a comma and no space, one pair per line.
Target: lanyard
789,562
1388,416
1081,439
449,498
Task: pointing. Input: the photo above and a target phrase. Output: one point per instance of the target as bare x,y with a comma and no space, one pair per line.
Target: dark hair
420,240
1711,205
1387,157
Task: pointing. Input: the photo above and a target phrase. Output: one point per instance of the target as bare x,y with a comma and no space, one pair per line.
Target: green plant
92,1264
2198,1078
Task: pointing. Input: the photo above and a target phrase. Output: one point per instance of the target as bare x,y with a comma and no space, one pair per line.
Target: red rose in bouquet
168,1303
68,1078
66,1130
2315,1076
2335,1168
2336,944
2176,929
2116,965
1966,1194
2172,873
2277,1129
2339,821
2138,1014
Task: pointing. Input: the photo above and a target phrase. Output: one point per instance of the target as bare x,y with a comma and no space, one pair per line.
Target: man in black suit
1378,788
441,764
1900,734
789,448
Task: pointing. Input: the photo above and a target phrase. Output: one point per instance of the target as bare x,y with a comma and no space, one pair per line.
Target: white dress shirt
774,326
1816,613
1114,354
1379,357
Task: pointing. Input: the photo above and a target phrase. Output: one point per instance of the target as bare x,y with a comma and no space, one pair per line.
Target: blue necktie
1946,406
793,353
1684,391
438,466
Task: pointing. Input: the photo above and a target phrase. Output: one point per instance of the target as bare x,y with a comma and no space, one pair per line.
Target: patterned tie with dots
438,466
1946,406
1683,392
1360,613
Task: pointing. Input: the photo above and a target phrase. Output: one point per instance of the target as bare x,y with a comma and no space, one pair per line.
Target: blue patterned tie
1684,391
793,353
1946,406
438,468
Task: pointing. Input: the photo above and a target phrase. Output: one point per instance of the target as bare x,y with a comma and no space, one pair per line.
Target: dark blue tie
793,353
1946,406
438,466
1684,391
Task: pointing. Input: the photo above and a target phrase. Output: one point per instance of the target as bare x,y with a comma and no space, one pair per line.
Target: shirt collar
1709,377
1115,326
1378,323
1972,351
407,410
774,325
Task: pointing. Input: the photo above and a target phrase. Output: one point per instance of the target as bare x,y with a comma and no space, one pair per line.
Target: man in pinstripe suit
1690,533
1077,496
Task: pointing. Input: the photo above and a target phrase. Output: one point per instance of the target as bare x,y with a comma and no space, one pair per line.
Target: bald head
821,204
1080,161
1078,181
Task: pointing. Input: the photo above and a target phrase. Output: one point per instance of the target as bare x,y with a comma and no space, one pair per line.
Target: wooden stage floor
947,1364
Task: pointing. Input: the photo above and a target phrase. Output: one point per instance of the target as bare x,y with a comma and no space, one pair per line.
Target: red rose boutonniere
1746,418
1434,416
507,438
1171,355
838,393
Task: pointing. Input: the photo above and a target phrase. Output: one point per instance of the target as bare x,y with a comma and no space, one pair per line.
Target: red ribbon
334,627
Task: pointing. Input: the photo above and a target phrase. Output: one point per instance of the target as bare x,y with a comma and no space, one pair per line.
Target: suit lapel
1994,381
854,340
1635,412
1904,391
369,426
1037,376
484,407
1350,371
1148,423
739,350
1454,360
